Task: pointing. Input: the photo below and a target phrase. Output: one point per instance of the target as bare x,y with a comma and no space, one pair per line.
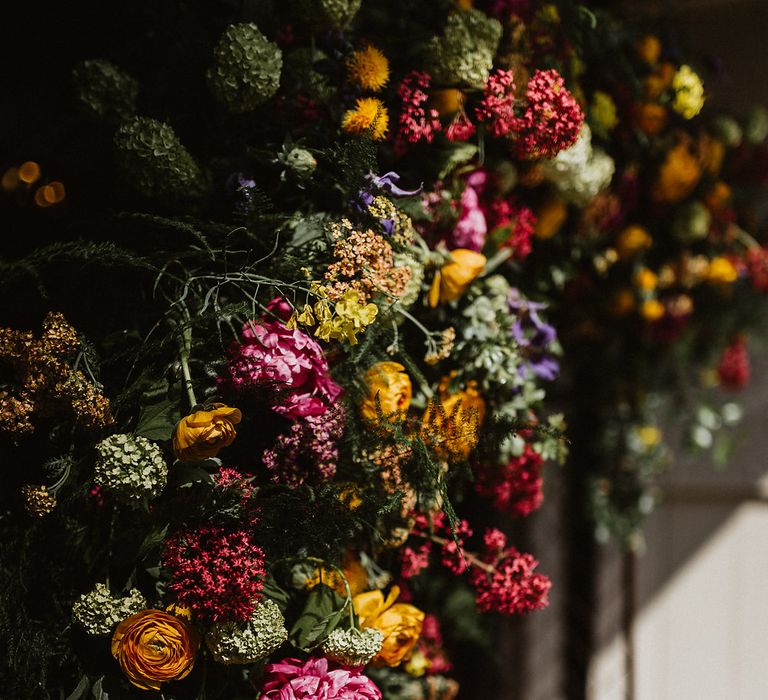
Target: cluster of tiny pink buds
515,488
497,108
551,119
215,572
416,122
509,583
461,128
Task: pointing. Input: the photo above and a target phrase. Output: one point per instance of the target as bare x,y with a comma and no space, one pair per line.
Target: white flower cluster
581,171
98,612
353,647
233,643
131,467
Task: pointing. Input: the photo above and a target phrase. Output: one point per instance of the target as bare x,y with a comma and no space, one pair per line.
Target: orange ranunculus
388,382
453,278
649,49
154,647
650,118
550,218
202,434
399,622
677,177
451,424
632,240
447,101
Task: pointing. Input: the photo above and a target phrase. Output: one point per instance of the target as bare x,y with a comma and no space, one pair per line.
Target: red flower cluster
757,266
416,123
522,222
431,645
217,573
734,369
509,585
497,108
461,128
551,120
504,579
516,488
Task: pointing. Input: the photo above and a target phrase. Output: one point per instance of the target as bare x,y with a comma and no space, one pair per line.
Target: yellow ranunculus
388,382
721,271
354,572
646,279
451,424
202,434
652,310
399,622
154,647
632,240
453,278
649,49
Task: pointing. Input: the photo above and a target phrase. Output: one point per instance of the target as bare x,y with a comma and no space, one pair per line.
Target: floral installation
287,374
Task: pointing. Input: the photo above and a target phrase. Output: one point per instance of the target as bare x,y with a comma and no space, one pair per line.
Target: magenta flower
316,679
472,228
273,355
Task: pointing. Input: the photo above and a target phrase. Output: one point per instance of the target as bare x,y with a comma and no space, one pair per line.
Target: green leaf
274,592
457,155
321,615
159,414
183,474
98,692
82,688
152,541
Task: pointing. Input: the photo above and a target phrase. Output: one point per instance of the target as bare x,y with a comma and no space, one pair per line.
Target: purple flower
388,183
534,336
316,679
309,449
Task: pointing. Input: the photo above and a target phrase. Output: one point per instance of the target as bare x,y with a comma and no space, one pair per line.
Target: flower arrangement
317,340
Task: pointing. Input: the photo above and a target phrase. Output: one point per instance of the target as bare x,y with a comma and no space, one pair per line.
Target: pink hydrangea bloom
273,355
551,119
316,679
217,573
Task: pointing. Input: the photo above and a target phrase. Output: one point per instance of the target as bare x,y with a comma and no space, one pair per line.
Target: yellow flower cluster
451,423
369,116
689,93
343,320
368,68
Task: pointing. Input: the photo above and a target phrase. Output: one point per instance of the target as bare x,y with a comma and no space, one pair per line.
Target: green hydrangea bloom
246,69
464,53
246,643
105,91
155,162
131,467
99,612
353,647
